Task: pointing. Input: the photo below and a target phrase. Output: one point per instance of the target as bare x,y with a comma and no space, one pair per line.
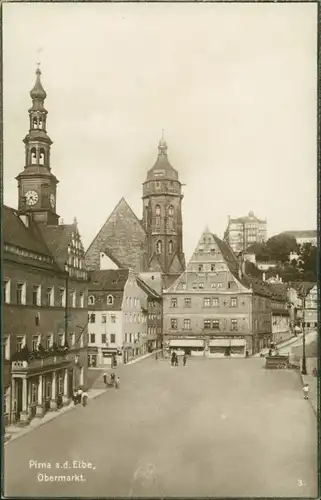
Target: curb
12,437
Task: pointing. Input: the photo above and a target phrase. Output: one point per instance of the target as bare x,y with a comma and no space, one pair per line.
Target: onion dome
38,91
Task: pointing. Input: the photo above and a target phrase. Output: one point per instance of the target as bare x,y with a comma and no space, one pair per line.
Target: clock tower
36,184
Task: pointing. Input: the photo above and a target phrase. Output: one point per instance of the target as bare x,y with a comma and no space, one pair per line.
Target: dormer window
91,300
110,300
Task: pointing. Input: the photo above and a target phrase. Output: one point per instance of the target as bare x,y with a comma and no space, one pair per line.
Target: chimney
263,276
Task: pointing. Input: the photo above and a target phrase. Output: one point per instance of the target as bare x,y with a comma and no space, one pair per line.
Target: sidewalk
313,393
15,431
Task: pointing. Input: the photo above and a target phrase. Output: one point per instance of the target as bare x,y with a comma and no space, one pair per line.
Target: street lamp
304,365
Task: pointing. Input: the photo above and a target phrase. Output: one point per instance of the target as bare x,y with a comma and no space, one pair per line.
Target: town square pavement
217,427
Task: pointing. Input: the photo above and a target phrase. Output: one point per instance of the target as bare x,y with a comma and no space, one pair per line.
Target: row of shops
218,347
109,356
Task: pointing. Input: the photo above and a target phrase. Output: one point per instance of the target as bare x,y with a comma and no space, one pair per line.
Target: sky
233,86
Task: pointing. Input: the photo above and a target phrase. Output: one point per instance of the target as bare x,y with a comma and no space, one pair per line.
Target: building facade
155,243
214,309
118,309
245,231
44,292
309,236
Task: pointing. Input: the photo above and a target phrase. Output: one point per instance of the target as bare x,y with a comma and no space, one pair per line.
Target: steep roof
123,236
163,165
109,280
57,239
147,289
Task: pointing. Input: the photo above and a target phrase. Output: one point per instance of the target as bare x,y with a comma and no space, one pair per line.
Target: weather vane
39,50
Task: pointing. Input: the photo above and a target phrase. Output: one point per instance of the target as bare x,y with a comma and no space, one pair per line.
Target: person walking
79,395
176,359
84,398
75,397
117,383
184,359
173,358
105,378
306,389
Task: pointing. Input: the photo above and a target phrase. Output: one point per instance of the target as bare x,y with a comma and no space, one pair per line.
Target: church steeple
36,184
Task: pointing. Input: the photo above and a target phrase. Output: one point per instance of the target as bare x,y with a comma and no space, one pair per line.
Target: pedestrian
176,359
173,359
117,383
306,389
79,394
184,359
156,356
74,397
84,398
105,378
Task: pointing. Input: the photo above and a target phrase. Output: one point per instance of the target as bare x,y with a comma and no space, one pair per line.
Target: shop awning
237,342
220,343
187,343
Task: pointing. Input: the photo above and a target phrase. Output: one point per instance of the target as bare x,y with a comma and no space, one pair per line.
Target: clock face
31,197
52,200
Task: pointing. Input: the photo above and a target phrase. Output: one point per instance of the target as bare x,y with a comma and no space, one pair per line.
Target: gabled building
44,291
214,308
155,243
118,308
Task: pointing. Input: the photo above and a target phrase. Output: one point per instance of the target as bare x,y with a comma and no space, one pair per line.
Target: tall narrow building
37,184
162,218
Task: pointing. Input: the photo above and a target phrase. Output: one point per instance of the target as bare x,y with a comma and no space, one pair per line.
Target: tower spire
162,146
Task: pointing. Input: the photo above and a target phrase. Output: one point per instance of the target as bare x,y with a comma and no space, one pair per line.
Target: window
113,318
183,286
130,337
50,296
157,210
103,318
207,302
174,324
36,295
233,302
200,267
91,300
207,324
7,347
212,251
212,267
187,324
112,338
73,298
234,324
72,338
20,343
194,286
216,324
92,318
35,342
159,247
171,210
110,300
200,251
62,297
187,302
21,293
6,291
92,338
49,341
170,247
215,302
61,339
126,337
82,299
173,302
157,221
103,338
201,286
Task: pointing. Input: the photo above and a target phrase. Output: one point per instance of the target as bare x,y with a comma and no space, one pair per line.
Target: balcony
39,364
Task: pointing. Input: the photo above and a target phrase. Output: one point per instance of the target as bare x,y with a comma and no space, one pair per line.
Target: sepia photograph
159,250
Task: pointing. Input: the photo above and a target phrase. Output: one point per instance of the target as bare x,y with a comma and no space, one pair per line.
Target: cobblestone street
213,428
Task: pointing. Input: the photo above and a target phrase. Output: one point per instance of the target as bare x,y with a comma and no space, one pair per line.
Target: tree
280,247
252,270
308,261
261,251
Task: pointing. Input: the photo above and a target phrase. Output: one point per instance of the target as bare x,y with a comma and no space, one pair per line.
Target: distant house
309,236
245,231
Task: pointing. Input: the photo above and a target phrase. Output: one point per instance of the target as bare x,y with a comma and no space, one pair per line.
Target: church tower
36,184
162,218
